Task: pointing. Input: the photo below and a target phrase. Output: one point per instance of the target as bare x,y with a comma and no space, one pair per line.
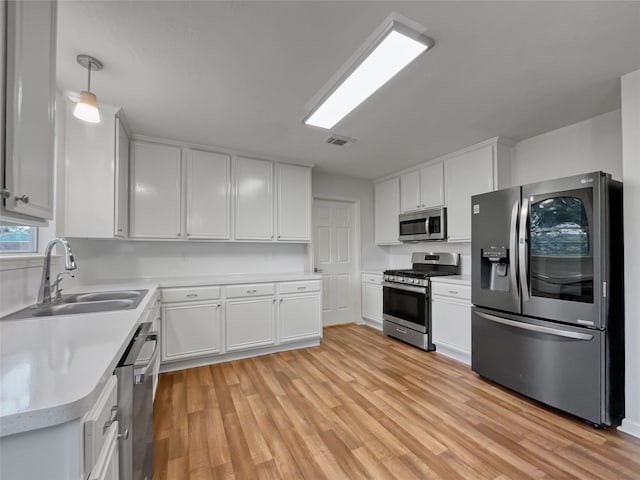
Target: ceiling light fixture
389,52
87,107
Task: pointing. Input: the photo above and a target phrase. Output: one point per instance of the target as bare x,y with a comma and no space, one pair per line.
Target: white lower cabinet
299,317
451,322
191,330
372,299
250,323
107,466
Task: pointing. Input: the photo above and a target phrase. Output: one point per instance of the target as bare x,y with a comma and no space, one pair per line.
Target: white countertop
373,271
234,279
52,369
455,279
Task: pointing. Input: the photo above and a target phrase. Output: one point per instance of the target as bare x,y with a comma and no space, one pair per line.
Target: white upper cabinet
294,202
432,185
472,172
96,176
28,173
422,188
254,199
122,181
387,209
155,190
208,195
410,191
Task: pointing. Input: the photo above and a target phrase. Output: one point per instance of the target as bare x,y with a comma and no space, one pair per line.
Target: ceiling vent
340,141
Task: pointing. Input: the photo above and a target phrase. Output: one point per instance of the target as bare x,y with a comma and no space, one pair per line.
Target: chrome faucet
44,294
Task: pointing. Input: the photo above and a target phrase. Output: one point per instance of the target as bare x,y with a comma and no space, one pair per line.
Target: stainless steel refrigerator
548,293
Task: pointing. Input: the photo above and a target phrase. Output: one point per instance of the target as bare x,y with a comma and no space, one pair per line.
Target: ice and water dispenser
495,268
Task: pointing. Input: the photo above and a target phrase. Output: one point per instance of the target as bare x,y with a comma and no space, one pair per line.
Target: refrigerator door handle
523,263
536,328
513,248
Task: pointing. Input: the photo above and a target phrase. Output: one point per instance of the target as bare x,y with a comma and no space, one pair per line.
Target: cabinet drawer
190,294
299,287
371,279
253,290
98,421
462,292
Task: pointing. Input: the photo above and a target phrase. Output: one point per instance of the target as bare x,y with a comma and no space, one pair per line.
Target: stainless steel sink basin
101,296
91,302
87,307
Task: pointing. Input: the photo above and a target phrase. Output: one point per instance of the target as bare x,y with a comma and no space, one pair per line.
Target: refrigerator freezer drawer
562,366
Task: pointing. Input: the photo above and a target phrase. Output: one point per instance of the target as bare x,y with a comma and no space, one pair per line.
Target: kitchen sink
86,307
101,296
91,302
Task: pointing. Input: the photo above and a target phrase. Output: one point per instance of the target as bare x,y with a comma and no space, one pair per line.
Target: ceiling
238,75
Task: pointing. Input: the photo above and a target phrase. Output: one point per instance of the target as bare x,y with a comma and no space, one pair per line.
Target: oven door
406,305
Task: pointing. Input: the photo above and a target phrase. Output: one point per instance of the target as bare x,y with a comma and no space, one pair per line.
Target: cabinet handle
192,295
281,300
177,234
278,236
22,198
4,193
120,230
217,305
251,291
124,435
302,288
453,292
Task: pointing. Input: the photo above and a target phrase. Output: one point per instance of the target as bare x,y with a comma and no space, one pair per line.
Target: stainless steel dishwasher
135,406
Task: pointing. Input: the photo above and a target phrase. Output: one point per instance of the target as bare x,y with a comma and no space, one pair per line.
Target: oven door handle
536,328
141,374
408,288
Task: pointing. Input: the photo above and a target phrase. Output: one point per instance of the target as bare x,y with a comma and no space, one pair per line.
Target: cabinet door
299,317
432,185
294,203
155,190
90,184
190,330
465,175
107,465
410,192
30,108
122,181
372,303
451,324
254,199
387,209
249,323
208,194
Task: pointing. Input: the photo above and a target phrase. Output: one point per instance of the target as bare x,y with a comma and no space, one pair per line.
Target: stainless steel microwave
424,225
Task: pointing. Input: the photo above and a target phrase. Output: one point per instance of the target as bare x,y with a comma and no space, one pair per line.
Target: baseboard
227,357
454,352
372,323
632,427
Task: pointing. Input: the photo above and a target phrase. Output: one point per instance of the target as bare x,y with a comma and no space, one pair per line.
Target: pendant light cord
89,77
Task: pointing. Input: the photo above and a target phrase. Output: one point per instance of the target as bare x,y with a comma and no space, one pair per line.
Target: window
18,239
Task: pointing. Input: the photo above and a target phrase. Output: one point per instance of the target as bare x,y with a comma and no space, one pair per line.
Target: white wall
100,260
631,177
594,144
339,186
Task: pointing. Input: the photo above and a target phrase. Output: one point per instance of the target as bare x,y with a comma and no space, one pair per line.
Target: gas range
406,304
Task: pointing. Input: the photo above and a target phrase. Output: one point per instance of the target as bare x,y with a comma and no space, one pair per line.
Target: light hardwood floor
364,406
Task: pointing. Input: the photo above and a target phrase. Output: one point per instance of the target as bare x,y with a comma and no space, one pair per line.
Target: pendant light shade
87,107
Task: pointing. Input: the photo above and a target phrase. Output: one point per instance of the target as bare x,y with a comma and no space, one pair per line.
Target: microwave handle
427,223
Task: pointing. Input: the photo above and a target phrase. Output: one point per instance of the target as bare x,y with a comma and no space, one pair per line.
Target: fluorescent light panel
391,55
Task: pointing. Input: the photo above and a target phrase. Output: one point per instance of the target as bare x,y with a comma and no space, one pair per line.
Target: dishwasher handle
141,374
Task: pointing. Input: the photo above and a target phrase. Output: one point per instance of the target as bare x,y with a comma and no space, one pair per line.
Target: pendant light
87,107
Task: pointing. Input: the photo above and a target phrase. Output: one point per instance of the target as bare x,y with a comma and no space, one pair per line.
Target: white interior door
333,238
